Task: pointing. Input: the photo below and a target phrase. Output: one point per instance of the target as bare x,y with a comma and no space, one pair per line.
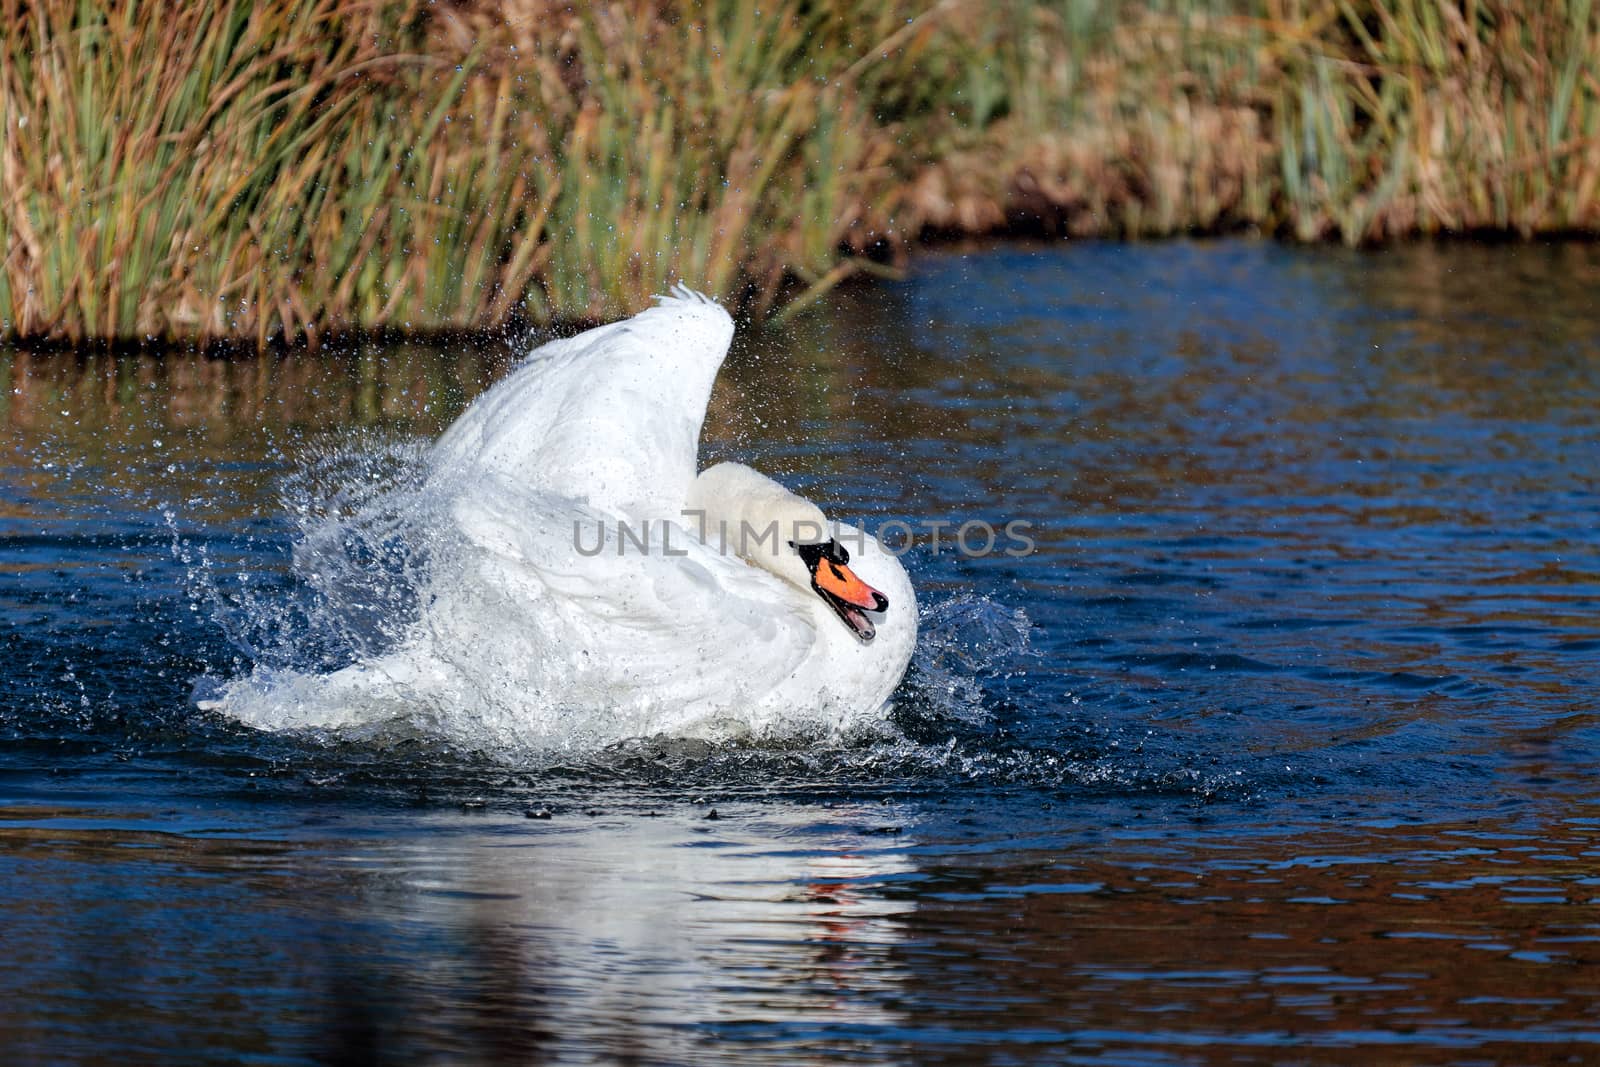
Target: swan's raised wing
610,417
669,633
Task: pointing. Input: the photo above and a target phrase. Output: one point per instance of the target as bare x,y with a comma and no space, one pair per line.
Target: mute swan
585,585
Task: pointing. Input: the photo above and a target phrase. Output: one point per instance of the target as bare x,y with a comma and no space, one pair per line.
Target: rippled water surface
1281,746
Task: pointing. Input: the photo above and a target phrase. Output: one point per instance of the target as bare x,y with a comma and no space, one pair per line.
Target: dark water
1300,765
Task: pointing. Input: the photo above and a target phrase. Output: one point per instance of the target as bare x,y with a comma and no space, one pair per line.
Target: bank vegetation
279,170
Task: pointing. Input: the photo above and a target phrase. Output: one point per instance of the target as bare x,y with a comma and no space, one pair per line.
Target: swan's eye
813,554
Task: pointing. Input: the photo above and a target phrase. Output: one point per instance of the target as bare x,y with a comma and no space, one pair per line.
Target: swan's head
772,528
839,587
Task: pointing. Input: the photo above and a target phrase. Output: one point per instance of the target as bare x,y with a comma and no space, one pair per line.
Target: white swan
586,586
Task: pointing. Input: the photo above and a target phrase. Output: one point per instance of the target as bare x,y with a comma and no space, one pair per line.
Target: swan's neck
743,512
755,518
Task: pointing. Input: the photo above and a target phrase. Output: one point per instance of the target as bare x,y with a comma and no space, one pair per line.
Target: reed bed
275,171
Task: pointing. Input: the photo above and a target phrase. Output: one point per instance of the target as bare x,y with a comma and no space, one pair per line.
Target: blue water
1281,745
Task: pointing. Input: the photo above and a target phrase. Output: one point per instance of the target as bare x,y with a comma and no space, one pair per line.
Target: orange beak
840,581
841,588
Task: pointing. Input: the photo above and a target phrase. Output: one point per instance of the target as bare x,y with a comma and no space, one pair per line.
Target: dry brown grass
281,169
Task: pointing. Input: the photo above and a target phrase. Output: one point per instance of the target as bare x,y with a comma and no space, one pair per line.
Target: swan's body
571,600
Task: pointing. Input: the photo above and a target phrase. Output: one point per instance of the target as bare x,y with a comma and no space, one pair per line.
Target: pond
1282,743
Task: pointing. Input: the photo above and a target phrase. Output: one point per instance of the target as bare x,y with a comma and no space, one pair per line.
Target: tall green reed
282,169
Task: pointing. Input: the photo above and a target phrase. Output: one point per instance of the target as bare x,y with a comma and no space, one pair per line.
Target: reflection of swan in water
639,934
585,585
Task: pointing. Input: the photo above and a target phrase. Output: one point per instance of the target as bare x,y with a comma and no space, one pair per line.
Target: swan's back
610,417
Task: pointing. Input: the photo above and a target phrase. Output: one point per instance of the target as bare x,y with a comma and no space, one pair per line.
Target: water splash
341,581
965,642
359,505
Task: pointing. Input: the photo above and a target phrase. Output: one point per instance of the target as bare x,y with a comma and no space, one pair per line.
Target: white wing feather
610,417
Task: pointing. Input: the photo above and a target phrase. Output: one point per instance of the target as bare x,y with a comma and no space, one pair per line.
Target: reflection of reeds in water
254,171
136,398
1349,924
